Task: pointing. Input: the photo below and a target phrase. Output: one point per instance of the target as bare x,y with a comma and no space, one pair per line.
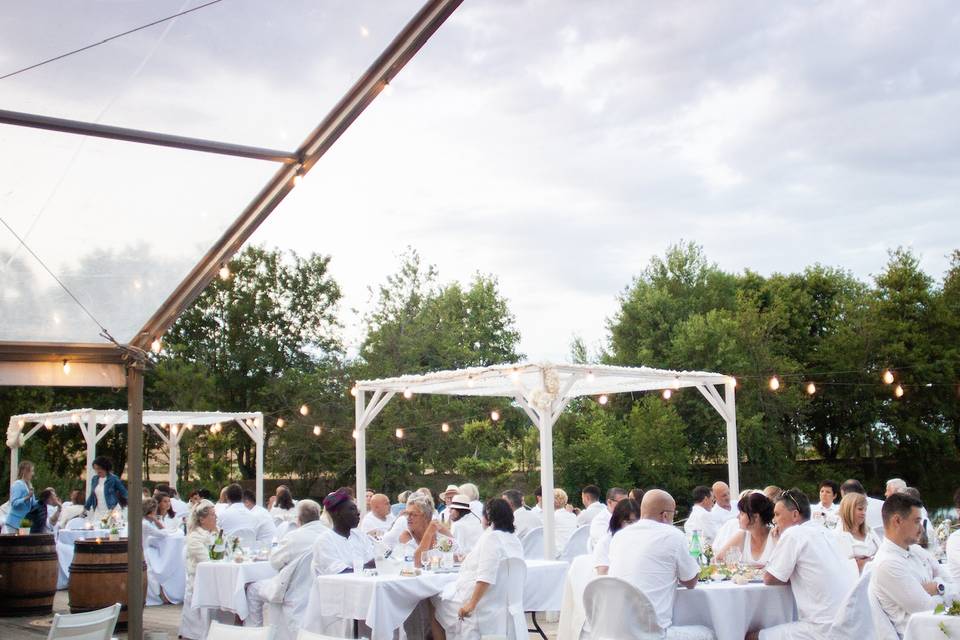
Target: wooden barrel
28,574
98,577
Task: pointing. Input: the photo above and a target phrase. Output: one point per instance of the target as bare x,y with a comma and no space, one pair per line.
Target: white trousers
255,603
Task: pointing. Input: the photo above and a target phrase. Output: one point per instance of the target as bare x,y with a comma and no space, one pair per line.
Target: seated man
523,519
600,525
235,515
379,519
700,518
340,549
592,506
465,527
266,529
902,580
807,559
283,559
652,555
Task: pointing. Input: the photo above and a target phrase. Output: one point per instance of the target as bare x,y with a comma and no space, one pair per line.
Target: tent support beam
135,593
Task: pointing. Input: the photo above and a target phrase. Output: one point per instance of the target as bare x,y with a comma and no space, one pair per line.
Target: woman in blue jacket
106,491
21,498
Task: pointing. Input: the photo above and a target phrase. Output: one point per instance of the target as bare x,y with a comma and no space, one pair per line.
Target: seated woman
859,541
282,506
201,527
456,606
71,508
153,533
170,520
624,514
755,541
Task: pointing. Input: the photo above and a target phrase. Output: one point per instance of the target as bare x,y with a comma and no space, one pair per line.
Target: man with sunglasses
807,559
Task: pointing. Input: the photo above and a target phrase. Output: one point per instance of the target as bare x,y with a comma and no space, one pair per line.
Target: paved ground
160,623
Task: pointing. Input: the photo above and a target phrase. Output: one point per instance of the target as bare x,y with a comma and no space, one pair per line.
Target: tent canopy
168,425
543,392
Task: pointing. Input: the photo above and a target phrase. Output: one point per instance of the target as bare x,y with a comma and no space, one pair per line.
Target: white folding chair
247,536
616,610
220,631
92,625
285,616
577,544
854,620
284,528
533,544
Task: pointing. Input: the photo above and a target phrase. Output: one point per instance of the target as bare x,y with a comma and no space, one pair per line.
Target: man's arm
770,579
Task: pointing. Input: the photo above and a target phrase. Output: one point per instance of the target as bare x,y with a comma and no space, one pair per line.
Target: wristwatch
940,587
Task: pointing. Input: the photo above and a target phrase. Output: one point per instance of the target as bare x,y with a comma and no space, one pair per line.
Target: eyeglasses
788,494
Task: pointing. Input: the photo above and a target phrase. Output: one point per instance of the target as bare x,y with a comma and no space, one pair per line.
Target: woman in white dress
153,535
754,541
624,514
170,520
857,538
283,507
201,524
456,606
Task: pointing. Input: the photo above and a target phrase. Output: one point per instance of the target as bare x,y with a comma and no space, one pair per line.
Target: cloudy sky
557,145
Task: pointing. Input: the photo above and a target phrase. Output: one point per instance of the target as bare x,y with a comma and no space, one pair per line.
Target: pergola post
733,457
174,454
258,432
135,593
546,484
360,446
14,463
88,427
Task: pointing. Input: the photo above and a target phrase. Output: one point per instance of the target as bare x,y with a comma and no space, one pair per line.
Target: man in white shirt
378,519
592,506
473,493
235,515
342,548
700,518
953,545
465,528
874,506
600,525
266,528
523,519
538,496
652,555
222,503
284,559
807,559
446,497
723,509
902,580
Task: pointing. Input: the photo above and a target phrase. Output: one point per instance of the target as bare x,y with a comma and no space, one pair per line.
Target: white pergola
543,392
168,425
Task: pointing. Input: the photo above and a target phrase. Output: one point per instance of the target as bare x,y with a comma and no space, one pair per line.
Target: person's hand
931,588
466,610
270,502
30,493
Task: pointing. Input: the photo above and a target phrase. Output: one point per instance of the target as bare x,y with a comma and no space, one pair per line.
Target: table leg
536,626
356,628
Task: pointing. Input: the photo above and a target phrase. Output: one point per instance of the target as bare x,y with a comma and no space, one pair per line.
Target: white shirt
587,515
720,515
564,524
466,532
372,523
537,509
953,556
152,535
180,507
101,506
237,516
283,515
332,553
524,520
746,551
701,520
818,508
475,506
810,561
266,529
392,537
874,517
897,586
599,526
725,532
601,552
296,543
866,548
483,562
653,557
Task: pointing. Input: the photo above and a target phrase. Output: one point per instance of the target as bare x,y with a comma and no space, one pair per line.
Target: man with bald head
652,555
724,509
378,519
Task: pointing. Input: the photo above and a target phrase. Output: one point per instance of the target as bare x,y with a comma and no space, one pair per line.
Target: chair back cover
284,528
533,544
616,610
577,544
854,620
92,625
288,605
500,611
247,536
220,631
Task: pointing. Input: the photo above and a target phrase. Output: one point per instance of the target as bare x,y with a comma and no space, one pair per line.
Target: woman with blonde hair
22,500
201,526
564,522
857,538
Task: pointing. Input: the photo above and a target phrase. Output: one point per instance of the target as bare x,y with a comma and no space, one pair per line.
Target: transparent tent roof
121,224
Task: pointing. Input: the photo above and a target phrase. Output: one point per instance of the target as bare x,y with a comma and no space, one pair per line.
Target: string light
603,399
898,391
676,383
48,424
494,415
590,376
174,429
353,391
156,345
774,383
667,393
811,388
399,433
317,430
445,427
224,271
407,394
297,179
515,375
736,383
354,434
66,368
304,410
470,381
280,422
888,377
387,89
74,417
189,426
21,423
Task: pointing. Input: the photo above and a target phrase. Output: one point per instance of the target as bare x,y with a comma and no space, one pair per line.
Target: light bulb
74,417
280,422
515,375
189,426
494,415
66,368
676,383
354,434
224,272
603,399
590,376
888,377
407,394
353,391
898,391
399,433
48,424
470,381
156,345
163,425
736,383
216,427
445,427
304,409
174,429
667,393
387,89
317,430
774,383
811,388
297,179
364,32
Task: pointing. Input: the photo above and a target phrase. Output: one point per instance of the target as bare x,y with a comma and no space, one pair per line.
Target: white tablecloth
165,559
732,610
222,585
384,602
926,626
65,540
